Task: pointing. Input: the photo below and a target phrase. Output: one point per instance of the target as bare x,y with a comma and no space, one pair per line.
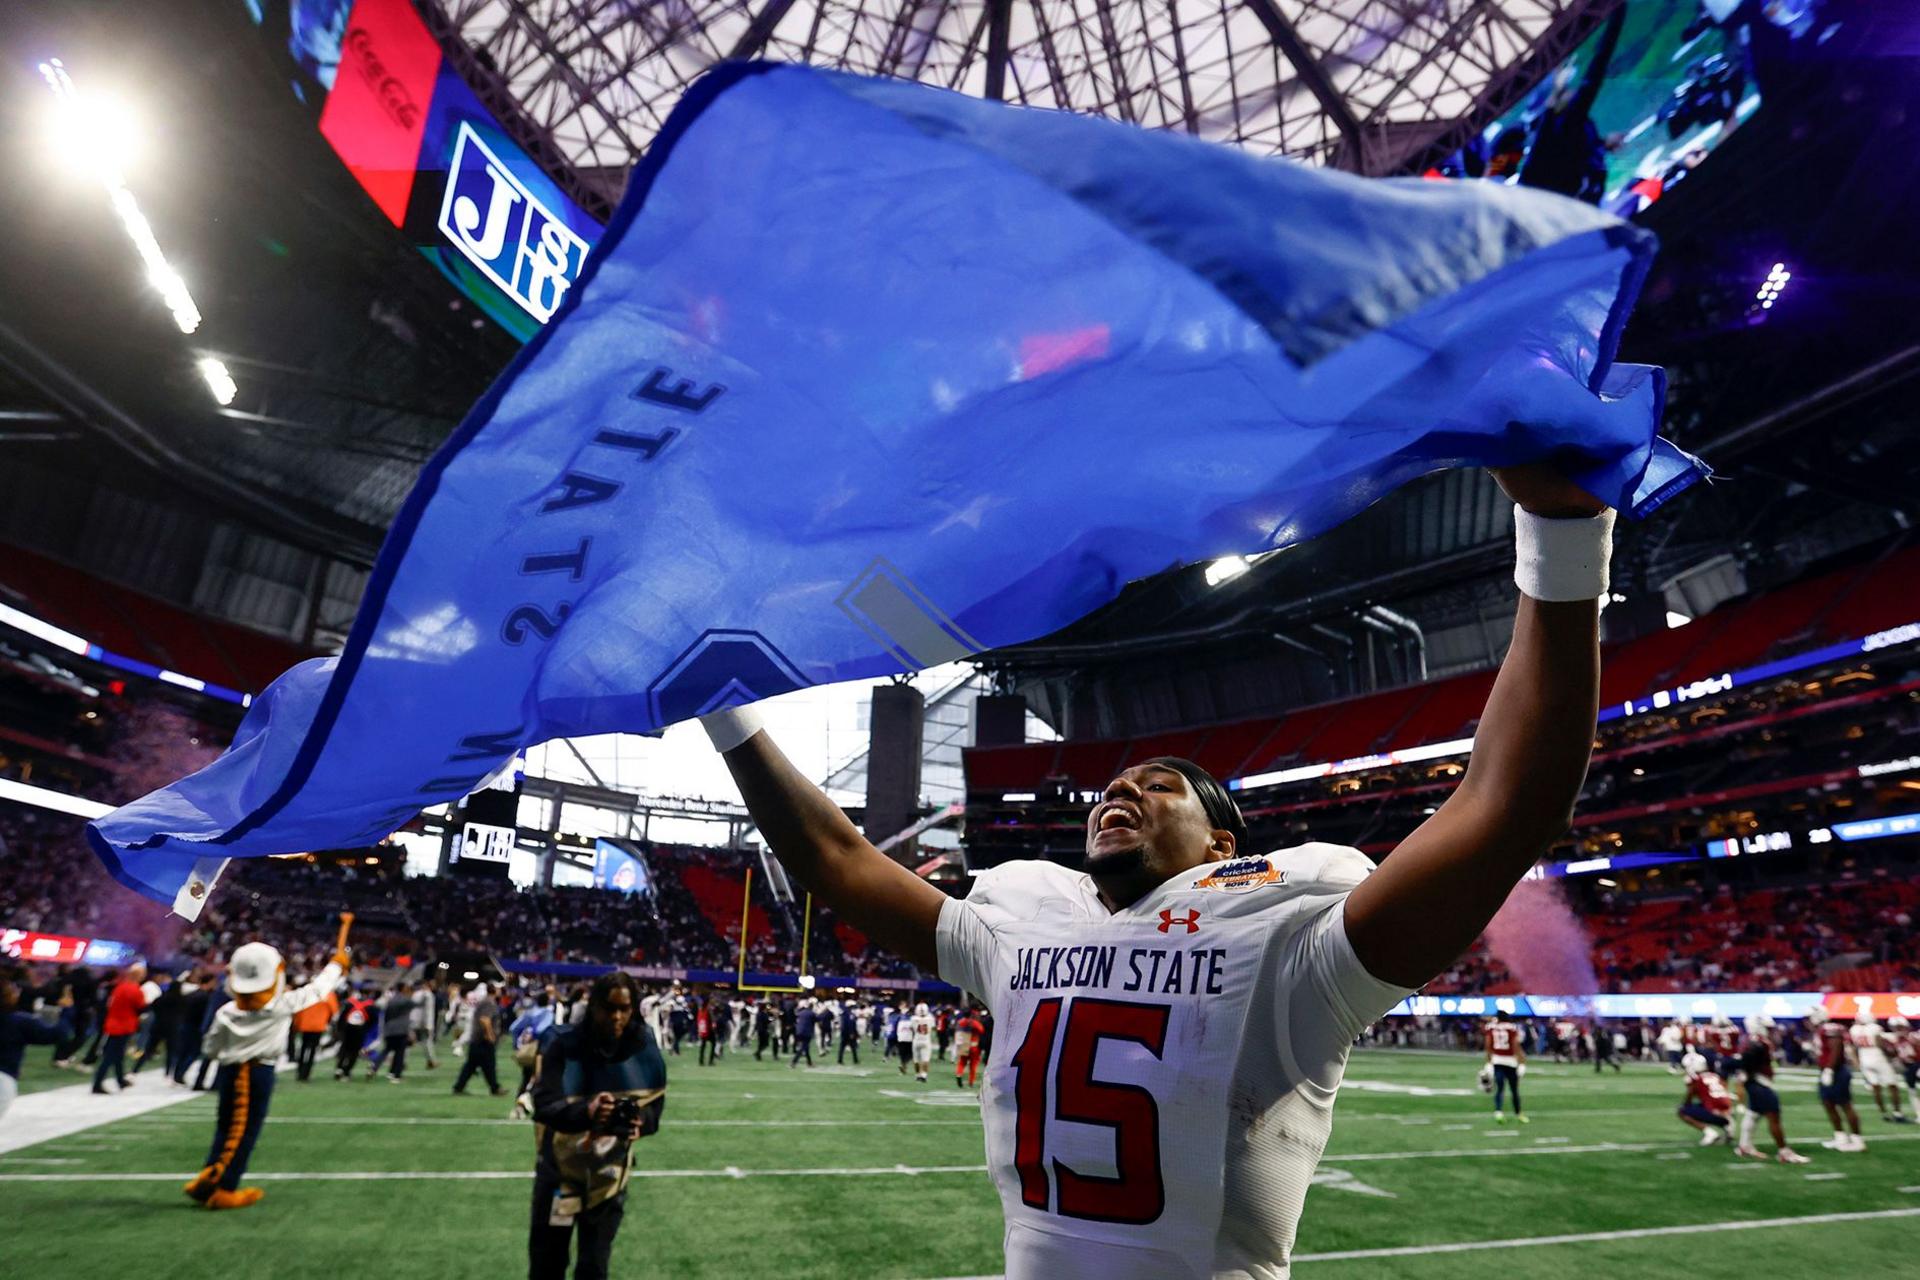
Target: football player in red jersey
1507,1055
1835,1060
1707,1105
968,1035
1755,1085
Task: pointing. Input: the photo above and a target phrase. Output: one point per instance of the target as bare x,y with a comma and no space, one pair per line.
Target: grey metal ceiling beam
1288,41
999,28
760,30
1262,619
1882,373
328,534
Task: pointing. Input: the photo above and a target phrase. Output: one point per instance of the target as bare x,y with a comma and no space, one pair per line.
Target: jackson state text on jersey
1163,1077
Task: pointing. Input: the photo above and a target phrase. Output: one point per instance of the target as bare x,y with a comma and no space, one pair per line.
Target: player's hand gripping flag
867,376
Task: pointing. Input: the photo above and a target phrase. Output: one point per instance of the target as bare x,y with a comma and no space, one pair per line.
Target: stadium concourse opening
697,640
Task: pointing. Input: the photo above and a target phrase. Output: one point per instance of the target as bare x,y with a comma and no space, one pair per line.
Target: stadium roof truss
1371,86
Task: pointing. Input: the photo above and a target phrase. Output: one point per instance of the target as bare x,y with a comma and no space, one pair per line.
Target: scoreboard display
487,830
431,158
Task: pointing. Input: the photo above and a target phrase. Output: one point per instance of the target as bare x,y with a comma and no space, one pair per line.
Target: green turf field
760,1170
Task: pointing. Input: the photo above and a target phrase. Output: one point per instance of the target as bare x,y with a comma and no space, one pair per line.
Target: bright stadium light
1225,569
99,138
1770,289
219,381
96,135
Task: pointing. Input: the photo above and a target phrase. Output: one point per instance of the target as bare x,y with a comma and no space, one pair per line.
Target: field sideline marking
487,1175
1592,1237
678,1124
47,1115
1595,1148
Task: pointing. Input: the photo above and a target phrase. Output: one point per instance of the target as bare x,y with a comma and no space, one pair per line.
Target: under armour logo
1167,920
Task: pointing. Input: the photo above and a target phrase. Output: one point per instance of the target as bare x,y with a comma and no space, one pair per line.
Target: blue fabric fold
867,376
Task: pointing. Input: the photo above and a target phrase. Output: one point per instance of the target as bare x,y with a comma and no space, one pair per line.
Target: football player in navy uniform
1755,1083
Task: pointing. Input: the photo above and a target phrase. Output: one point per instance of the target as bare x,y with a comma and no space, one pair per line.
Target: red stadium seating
139,626
1882,599
1363,725
1225,750
1453,706
1089,764
1845,603
718,895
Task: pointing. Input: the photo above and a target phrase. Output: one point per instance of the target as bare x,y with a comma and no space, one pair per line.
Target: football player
1722,1040
1870,1046
1906,1052
1173,1022
1757,1096
1672,1042
1707,1104
1507,1055
1834,1057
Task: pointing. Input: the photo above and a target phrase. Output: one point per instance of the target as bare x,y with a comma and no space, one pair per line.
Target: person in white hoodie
245,1039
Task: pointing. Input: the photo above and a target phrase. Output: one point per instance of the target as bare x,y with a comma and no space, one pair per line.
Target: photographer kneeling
600,1086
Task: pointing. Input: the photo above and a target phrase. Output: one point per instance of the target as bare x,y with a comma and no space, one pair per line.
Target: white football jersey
1163,1077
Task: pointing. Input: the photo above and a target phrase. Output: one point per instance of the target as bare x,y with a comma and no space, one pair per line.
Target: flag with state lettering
867,376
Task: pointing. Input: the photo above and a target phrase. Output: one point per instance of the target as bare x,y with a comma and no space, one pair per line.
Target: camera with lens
625,1116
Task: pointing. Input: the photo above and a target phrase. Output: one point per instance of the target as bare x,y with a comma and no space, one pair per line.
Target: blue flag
867,376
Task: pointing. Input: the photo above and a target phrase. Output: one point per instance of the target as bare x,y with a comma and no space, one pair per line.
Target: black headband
1221,811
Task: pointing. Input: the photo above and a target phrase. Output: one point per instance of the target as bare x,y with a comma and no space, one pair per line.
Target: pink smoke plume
1541,941
153,745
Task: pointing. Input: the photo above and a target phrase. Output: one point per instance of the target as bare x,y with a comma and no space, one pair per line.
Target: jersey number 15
1137,1194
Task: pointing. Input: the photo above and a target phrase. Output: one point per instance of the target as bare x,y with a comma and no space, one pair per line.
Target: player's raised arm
823,850
1438,889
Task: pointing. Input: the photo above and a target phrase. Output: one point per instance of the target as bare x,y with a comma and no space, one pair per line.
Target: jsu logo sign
494,220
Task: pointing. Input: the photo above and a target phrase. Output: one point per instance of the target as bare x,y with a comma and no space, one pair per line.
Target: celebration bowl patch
1241,875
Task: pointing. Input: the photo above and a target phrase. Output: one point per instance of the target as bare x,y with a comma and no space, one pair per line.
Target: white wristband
1562,559
731,726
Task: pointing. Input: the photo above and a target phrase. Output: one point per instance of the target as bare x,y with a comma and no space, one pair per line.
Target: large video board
431,157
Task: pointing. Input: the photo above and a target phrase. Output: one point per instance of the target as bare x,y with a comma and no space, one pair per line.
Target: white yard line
1595,1148
1594,1237
678,1124
488,1175
1589,1237
47,1114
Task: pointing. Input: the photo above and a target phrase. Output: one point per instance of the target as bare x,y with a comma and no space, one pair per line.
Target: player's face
1149,821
